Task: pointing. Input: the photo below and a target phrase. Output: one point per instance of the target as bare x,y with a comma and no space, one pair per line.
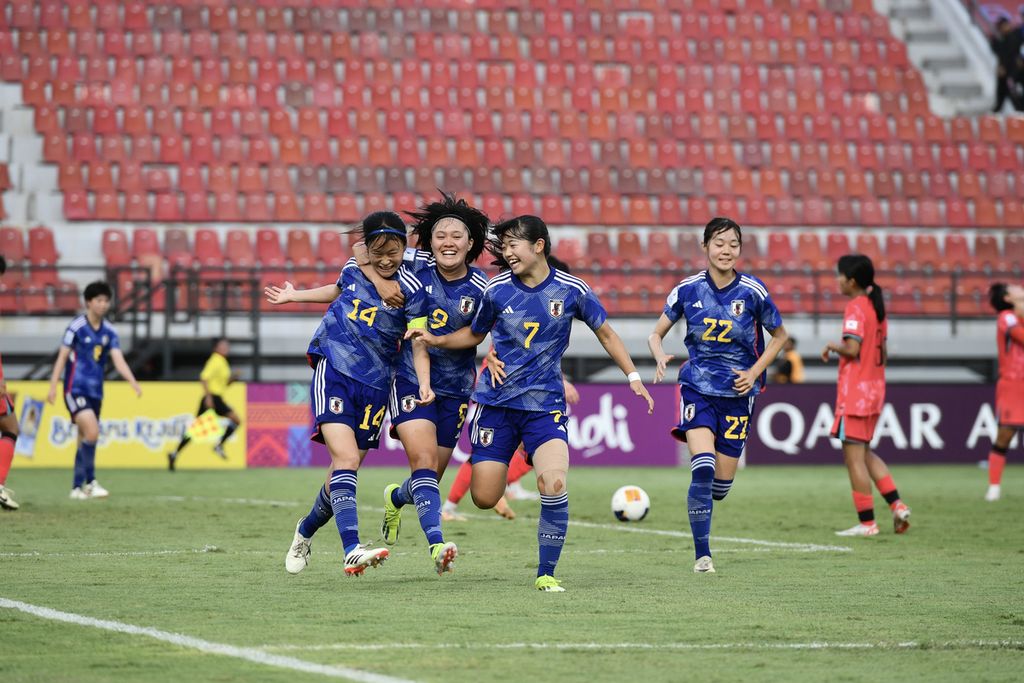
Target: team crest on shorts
556,307
408,403
486,437
689,411
336,405
466,305
737,307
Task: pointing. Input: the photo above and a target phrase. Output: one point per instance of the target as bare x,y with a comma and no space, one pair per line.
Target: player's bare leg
488,483
883,482
85,460
8,438
551,464
855,456
700,442
997,461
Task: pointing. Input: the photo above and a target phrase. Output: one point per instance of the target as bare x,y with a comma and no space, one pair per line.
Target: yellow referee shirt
216,373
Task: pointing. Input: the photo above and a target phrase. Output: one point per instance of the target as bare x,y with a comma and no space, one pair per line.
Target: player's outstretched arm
654,340
746,379
121,365
463,338
612,343
58,369
288,294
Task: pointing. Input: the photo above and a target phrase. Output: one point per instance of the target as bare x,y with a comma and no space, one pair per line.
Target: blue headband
387,230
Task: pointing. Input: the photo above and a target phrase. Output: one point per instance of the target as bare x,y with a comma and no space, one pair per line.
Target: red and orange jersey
861,388
1010,340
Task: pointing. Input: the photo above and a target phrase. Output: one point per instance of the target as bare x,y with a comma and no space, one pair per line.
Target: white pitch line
824,645
250,654
800,547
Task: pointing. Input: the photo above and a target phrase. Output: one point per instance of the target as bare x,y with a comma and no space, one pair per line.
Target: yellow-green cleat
548,584
444,555
392,523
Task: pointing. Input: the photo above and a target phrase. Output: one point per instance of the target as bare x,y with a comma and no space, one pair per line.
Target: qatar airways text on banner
919,424
609,427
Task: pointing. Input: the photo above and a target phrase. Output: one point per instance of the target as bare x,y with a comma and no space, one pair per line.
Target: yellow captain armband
417,324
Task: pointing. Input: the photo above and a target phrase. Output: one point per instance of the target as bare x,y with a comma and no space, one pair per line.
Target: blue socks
551,528
720,488
698,502
343,504
319,515
402,496
427,497
85,463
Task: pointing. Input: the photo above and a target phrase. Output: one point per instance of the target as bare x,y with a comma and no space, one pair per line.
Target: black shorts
219,406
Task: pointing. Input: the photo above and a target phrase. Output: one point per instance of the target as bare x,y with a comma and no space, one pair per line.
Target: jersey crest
486,436
556,307
336,405
466,305
408,403
737,307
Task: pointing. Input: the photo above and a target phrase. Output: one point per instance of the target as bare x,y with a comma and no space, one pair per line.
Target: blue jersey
530,327
723,329
360,335
90,348
451,305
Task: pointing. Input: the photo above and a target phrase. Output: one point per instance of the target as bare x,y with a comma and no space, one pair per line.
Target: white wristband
633,377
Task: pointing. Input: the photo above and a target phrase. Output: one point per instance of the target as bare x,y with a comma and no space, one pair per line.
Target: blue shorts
448,413
77,404
336,398
728,418
496,432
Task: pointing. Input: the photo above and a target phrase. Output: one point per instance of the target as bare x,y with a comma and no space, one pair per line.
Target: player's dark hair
997,297
448,206
859,268
217,340
717,226
3,264
529,228
95,289
383,225
558,264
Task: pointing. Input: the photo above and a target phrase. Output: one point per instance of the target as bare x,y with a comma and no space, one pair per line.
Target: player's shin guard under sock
518,467
227,433
343,504
887,487
79,477
698,502
720,488
865,505
461,483
89,460
551,528
427,497
7,440
996,463
402,496
319,515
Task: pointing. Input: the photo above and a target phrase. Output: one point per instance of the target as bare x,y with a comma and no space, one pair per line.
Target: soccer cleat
94,490
392,523
362,557
993,493
703,565
548,584
444,555
172,458
450,513
78,494
860,530
503,509
298,555
900,518
219,450
516,491
6,501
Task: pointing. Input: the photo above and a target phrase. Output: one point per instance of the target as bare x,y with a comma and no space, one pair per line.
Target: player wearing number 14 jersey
724,311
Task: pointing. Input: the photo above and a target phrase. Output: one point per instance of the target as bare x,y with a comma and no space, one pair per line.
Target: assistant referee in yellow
215,378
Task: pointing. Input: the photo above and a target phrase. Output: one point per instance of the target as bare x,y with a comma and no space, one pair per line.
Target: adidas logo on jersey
508,309
697,304
352,288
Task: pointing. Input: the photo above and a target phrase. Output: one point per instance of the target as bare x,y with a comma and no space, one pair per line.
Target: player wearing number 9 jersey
725,312
353,353
860,393
528,311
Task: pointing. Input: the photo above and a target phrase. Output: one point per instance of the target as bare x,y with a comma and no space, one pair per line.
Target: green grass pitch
201,554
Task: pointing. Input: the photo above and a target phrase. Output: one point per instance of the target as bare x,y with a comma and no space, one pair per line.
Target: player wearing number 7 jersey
353,353
725,312
860,393
529,311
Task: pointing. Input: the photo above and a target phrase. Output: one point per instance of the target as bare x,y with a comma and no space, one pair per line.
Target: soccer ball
630,504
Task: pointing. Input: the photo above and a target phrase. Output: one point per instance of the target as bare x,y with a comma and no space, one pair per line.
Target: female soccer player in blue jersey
453,234
724,312
82,359
528,311
353,353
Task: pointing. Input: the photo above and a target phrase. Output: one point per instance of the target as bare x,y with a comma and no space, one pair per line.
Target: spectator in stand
789,368
1006,44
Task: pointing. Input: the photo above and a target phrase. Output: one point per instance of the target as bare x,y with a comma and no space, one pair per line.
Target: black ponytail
859,268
